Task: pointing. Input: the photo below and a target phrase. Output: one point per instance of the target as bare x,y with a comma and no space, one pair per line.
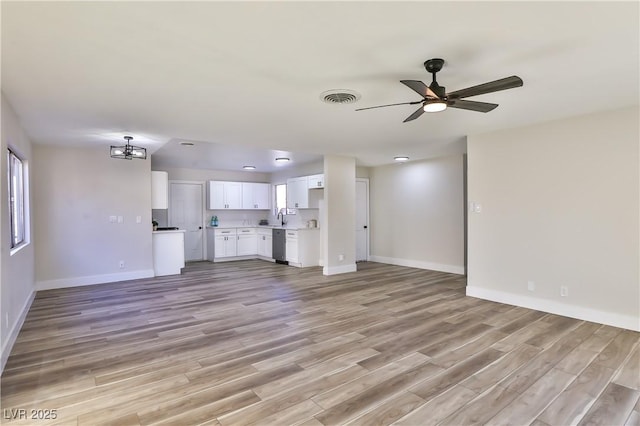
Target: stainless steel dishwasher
279,248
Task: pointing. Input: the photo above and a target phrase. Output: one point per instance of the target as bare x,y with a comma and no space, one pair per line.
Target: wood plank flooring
252,342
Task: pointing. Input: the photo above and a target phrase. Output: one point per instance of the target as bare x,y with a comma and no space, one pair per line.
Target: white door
185,212
362,220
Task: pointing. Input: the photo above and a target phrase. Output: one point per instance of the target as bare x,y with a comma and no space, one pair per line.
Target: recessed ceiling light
401,159
282,160
186,143
249,167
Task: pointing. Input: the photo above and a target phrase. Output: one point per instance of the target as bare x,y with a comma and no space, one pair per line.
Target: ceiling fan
436,99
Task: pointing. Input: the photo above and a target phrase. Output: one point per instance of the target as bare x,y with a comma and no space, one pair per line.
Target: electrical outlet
531,286
113,219
122,264
120,219
138,219
340,257
564,291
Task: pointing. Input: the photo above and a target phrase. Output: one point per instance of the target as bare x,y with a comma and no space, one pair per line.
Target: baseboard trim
558,308
15,330
452,269
93,279
342,269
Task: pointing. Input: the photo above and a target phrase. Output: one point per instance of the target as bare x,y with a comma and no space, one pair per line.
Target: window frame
276,206
17,198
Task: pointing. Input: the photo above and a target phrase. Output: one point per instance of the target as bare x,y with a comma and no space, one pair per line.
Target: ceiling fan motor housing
434,65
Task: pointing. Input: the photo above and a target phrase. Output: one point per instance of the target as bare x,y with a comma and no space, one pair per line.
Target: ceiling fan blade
388,105
492,86
473,105
420,87
415,115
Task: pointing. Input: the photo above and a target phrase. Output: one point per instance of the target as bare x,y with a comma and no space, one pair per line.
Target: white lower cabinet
303,247
225,243
292,246
265,243
247,242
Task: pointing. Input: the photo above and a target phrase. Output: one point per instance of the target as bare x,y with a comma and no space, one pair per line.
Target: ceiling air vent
340,96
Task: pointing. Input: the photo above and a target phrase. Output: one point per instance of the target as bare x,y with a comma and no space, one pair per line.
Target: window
17,200
281,198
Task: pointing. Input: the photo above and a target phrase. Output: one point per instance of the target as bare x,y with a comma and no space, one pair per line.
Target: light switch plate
138,219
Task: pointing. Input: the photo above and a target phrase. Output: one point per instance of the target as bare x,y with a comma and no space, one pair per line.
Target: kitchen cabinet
315,181
247,244
256,196
224,195
292,246
225,242
159,190
298,193
265,244
303,247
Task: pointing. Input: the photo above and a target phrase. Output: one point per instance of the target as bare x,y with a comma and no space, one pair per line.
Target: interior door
185,212
362,220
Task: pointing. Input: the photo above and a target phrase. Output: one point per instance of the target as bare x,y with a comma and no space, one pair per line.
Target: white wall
76,191
559,208
17,270
338,224
205,175
417,214
297,171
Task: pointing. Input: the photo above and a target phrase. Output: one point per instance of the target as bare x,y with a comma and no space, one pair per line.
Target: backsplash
237,217
301,218
246,218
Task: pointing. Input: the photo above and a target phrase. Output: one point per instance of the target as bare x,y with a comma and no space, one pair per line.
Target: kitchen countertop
293,228
169,231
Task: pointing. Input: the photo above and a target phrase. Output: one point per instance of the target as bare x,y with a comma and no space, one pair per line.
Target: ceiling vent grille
339,96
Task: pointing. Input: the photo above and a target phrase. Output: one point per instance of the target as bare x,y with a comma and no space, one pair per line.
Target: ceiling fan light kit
434,106
436,99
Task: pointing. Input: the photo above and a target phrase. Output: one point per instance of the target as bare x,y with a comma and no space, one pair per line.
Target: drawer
225,232
246,231
292,234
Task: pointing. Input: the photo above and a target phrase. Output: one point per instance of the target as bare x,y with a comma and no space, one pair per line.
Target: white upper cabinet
298,193
225,195
315,181
159,190
255,196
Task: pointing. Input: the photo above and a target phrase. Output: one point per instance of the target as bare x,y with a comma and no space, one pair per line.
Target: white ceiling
243,75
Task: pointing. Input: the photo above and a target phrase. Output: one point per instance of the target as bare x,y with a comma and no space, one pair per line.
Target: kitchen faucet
281,216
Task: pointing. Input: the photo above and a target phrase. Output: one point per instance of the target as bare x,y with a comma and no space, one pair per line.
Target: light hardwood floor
251,342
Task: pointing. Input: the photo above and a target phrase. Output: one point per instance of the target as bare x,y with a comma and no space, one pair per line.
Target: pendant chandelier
128,151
